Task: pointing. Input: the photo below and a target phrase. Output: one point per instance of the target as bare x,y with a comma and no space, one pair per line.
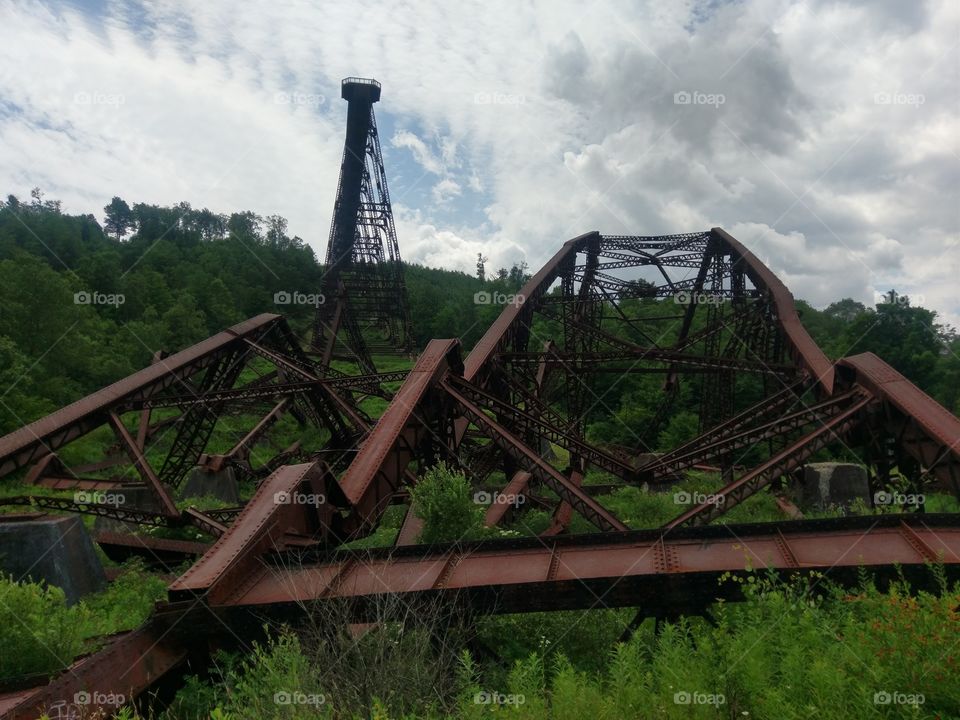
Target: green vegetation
183,274
792,649
443,499
42,635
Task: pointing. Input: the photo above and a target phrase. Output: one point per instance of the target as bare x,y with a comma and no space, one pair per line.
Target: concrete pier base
56,550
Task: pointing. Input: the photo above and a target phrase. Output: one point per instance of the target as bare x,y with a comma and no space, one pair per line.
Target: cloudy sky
822,134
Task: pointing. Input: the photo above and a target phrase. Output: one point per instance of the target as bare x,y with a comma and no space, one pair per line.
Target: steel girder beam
31,442
150,477
530,460
800,346
758,413
270,520
524,423
499,508
196,425
829,429
137,516
328,407
676,569
563,512
274,390
240,452
102,682
708,450
926,430
638,353
501,333
161,553
414,422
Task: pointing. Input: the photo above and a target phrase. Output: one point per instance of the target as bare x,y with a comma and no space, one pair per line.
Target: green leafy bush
444,500
38,632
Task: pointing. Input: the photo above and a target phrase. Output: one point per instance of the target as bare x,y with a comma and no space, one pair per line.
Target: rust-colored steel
495,338
29,443
614,569
273,513
571,493
241,450
828,429
102,682
376,471
140,462
803,349
162,552
267,391
512,496
410,529
927,430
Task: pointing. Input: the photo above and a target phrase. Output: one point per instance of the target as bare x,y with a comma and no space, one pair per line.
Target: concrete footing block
56,550
820,485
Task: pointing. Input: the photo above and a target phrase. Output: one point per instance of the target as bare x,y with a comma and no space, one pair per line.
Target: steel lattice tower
366,308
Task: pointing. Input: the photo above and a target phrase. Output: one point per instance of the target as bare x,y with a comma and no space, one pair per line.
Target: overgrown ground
795,649
40,634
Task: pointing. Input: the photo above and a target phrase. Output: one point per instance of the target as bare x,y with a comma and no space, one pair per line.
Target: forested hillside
82,305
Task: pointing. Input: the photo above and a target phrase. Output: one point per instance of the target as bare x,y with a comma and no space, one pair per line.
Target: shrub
442,498
38,632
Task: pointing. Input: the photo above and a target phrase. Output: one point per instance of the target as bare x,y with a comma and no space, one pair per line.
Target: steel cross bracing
534,380
202,377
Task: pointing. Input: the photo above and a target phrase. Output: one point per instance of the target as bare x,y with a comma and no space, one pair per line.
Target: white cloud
445,190
560,118
421,153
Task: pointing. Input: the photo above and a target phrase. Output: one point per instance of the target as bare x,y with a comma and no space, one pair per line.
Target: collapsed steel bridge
694,310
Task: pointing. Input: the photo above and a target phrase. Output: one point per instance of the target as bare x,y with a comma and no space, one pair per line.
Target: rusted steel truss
698,309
